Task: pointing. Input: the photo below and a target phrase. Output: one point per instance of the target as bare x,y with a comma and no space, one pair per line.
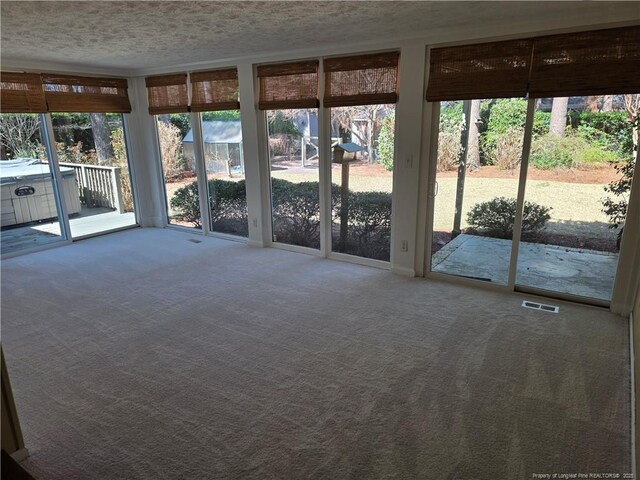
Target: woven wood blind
289,85
69,93
21,93
487,70
361,80
586,63
214,90
168,94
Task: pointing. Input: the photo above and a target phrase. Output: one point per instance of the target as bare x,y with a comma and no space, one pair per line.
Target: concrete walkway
586,273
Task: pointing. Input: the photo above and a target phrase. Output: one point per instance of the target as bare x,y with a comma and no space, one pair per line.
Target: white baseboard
20,455
256,243
404,271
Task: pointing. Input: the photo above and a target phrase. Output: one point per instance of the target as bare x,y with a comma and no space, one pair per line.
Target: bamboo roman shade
361,80
69,93
214,90
289,85
21,93
487,70
586,63
168,94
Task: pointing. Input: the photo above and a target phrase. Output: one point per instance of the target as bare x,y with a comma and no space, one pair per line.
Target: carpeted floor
142,355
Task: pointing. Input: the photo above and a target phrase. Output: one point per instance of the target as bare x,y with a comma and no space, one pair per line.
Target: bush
448,150
173,162
495,218
386,141
296,214
610,130
450,117
227,201
509,114
570,151
185,201
369,230
507,149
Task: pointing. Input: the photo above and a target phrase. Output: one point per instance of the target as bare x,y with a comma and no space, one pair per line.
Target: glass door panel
92,145
363,150
224,164
578,181
477,174
29,195
295,191
177,153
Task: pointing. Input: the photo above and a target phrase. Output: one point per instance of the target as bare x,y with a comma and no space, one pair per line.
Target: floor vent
193,240
540,306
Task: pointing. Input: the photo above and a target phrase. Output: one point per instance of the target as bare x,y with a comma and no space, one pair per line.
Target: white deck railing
98,186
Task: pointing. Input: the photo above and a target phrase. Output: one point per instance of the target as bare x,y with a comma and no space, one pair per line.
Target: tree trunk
370,160
473,149
102,138
607,103
592,103
559,115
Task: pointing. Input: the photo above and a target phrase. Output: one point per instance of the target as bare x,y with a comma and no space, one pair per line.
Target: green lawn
576,207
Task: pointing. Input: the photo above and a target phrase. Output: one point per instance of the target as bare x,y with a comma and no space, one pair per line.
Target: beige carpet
142,355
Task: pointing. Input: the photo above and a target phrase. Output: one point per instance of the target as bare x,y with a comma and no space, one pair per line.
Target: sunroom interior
361,239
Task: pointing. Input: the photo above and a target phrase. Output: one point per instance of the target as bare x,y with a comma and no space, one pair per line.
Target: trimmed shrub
227,200
185,202
296,212
369,230
495,218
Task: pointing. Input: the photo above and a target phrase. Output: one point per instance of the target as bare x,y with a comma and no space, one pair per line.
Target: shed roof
218,131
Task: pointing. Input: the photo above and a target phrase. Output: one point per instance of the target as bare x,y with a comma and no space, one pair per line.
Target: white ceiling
140,37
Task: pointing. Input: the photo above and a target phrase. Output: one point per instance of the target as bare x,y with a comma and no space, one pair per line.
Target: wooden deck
90,221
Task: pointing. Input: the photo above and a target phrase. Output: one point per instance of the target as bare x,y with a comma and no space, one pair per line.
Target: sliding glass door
578,181
477,172
30,200
93,146
532,195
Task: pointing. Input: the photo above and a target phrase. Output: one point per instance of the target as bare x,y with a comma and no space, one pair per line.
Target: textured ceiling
139,36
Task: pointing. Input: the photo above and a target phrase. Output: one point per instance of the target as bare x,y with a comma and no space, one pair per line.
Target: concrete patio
586,273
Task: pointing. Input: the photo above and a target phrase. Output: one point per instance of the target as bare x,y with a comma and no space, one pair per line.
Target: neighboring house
222,147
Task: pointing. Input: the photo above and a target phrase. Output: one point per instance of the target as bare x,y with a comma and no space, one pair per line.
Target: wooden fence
98,186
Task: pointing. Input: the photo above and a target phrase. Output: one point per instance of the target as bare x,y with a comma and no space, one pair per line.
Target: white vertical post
407,150
429,182
256,161
201,171
524,164
143,152
54,166
324,169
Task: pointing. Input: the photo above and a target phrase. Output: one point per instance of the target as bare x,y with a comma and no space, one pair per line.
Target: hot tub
27,191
